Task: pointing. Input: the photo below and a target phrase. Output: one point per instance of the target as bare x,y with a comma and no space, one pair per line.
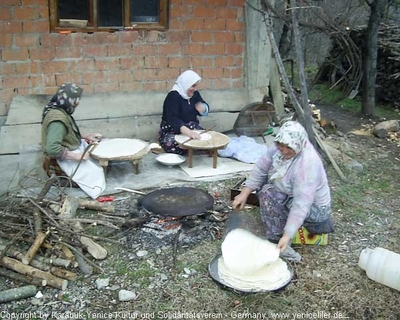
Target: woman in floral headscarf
64,146
181,107
292,188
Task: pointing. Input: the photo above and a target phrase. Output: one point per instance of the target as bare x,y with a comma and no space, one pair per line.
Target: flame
167,219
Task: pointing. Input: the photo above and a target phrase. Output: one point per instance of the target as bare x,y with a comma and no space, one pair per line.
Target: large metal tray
213,271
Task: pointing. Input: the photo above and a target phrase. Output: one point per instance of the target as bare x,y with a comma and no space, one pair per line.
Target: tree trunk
285,40
307,123
370,54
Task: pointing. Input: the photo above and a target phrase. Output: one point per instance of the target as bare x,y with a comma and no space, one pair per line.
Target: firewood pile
343,66
42,243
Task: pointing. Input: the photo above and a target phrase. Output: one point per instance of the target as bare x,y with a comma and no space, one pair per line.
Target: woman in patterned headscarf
181,107
64,146
292,188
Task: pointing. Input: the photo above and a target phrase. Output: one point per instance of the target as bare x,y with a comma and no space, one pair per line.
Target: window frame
162,25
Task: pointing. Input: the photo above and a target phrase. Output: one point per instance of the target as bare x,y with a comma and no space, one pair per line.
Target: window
108,15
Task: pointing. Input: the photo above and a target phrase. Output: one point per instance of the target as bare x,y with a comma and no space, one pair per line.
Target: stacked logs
42,243
343,66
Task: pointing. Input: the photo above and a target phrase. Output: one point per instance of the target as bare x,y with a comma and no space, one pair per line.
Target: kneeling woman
181,107
64,146
292,188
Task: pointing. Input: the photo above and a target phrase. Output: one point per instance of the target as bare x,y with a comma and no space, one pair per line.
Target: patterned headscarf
293,135
184,82
66,98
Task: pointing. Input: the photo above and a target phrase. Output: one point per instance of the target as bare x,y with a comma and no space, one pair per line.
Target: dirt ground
171,280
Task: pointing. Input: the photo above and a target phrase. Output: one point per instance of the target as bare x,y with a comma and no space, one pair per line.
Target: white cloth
184,82
244,149
89,176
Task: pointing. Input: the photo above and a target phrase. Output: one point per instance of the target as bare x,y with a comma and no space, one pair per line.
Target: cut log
19,277
19,267
35,247
38,261
59,262
91,221
67,253
63,273
96,250
95,205
17,293
382,129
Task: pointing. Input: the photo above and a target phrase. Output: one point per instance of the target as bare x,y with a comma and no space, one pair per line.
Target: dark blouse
178,111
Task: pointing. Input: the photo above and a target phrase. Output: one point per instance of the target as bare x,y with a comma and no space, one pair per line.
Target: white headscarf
184,82
292,134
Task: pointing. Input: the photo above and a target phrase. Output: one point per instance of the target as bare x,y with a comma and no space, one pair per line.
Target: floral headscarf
293,135
66,98
184,82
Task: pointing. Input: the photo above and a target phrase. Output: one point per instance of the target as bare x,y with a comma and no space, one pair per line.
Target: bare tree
370,55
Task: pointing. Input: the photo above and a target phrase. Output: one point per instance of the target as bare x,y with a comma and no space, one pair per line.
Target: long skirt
275,207
166,137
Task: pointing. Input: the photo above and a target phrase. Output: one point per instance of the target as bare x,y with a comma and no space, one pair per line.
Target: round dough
270,277
251,263
245,253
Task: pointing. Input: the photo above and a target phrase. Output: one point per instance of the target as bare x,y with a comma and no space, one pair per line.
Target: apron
89,176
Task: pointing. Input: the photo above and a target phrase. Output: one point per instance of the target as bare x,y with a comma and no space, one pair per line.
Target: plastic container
381,265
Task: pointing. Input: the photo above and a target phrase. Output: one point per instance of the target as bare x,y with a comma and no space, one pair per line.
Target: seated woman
65,149
181,107
292,188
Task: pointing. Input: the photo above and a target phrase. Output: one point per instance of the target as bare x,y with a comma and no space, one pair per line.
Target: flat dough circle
270,277
251,263
208,140
114,148
180,138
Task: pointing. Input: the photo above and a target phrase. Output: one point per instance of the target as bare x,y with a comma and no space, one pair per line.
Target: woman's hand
240,200
194,135
283,242
190,133
93,137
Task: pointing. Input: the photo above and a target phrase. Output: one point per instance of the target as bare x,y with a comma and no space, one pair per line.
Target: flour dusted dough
114,148
251,263
180,138
270,277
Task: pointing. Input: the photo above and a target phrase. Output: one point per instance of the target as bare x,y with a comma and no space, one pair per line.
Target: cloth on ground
244,149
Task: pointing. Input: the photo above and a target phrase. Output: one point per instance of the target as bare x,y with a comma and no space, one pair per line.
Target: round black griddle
178,201
213,271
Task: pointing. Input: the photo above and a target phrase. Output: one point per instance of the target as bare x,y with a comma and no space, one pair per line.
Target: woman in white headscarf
292,188
181,107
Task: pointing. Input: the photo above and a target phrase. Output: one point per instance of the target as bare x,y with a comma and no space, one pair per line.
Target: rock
355,165
382,129
125,295
96,250
141,253
163,276
102,283
37,302
114,287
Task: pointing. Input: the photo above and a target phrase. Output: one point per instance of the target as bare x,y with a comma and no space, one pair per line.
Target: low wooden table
211,140
120,149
